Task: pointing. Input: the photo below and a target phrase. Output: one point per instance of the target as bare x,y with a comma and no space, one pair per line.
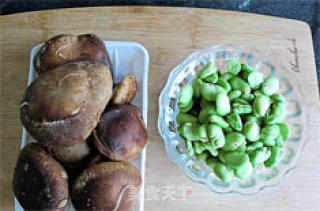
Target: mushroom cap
106,186
121,133
62,107
40,182
65,48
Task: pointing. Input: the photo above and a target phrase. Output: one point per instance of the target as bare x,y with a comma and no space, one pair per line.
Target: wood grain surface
169,34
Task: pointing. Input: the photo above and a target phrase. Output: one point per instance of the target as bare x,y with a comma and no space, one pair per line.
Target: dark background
304,10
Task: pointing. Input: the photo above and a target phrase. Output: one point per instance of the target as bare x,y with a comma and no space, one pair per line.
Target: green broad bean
184,118
209,91
208,70
202,156
251,131
223,104
241,109
277,113
195,132
284,131
216,135
257,93
241,148
270,132
279,141
259,156
212,150
196,87
190,148
275,158
253,118
199,147
277,97
269,142
244,172
270,86
234,94
234,121
235,159
227,129
226,76
246,68
212,78
224,173
187,108
218,120
255,79
224,84
240,101
238,83
234,67
261,105
248,97
254,146
185,96
206,112
233,140
212,162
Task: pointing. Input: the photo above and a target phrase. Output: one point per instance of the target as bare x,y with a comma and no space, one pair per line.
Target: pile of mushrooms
86,132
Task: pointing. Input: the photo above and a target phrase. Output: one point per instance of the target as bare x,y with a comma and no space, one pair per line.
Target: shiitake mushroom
62,107
106,186
40,182
65,48
121,133
125,91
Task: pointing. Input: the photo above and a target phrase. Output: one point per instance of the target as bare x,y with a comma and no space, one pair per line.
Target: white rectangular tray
126,58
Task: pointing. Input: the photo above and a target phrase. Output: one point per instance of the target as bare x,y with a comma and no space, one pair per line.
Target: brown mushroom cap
65,48
106,186
40,182
121,133
62,107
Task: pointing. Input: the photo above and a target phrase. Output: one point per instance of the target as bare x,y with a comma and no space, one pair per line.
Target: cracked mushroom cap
106,186
121,133
65,48
62,107
40,182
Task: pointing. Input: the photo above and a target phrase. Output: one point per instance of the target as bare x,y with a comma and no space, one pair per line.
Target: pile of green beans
233,120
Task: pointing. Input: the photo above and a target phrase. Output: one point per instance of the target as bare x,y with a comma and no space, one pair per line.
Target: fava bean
251,131
255,79
216,135
259,156
236,159
195,132
244,172
279,141
234,67
190,148
226,76
187,108
270,132
212,78
246,68
206,112
218,120
184,118
224,84
224,173
248,97
208,70
270,86
185,96
241,109
211,162
253,118
234,94
233,141
234,121
240,84
222,104
277,97
261,105
196,87
284,131
255,146
274,159
202,156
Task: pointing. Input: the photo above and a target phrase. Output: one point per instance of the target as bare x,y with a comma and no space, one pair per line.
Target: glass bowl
198,172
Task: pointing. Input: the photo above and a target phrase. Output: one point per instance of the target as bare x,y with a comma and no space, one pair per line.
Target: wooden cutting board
169,34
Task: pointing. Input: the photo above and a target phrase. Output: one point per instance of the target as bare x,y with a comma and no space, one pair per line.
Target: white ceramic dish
126,57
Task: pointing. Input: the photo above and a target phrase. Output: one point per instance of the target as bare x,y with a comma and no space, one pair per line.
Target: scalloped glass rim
198,171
